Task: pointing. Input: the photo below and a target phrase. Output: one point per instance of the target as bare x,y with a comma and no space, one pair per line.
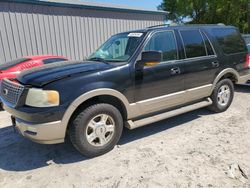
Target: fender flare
93,93
224,72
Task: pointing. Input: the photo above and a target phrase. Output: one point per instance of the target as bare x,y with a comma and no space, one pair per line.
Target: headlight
42,98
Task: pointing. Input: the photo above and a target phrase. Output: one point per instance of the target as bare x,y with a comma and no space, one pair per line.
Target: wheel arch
103,95
229,73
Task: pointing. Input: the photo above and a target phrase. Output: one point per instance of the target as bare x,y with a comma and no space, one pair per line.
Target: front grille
11,91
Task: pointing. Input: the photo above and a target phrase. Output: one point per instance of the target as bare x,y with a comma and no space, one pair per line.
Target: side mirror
151,58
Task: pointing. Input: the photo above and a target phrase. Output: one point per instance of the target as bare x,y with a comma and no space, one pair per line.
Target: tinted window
229,40
15,62
208,45
193,43
53,60
248,48
164,42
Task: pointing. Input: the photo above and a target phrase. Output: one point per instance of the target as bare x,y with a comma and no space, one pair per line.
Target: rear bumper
44,133
244,76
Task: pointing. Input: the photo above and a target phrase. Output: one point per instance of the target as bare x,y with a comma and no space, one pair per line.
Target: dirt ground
197,149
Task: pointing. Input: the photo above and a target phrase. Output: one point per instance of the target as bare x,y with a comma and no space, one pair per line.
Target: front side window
119,48
165,43
193,43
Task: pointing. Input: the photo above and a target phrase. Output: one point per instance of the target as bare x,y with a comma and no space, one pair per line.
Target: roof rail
164,25
161,25
176,24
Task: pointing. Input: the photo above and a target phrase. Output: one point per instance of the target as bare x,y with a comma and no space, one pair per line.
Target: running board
139,123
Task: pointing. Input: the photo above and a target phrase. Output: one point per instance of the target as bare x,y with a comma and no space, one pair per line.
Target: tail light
247,65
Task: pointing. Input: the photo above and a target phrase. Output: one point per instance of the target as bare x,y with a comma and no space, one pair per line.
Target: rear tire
222,96
96,130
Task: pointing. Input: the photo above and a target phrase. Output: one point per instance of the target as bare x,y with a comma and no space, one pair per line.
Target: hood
40,76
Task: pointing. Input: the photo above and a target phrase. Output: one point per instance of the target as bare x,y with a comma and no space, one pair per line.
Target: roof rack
176,24
164,25
161,25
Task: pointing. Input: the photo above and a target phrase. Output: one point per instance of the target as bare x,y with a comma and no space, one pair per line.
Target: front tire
222,96
96,130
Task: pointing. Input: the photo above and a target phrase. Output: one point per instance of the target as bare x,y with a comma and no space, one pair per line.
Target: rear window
230,40
193,43
53,60
15,62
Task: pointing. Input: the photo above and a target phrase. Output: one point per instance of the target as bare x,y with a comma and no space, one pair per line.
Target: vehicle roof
39,57
166,27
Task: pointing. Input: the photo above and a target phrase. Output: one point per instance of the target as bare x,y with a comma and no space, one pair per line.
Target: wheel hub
224,95
100,130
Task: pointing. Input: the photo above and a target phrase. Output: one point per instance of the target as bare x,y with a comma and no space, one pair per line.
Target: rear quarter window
229,40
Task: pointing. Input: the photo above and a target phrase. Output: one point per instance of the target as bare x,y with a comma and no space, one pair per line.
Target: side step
139,123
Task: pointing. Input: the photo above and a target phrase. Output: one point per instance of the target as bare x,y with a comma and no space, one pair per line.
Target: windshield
119,48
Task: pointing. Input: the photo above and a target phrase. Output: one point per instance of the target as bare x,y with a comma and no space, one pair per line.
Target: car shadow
242,88
20,154
1,107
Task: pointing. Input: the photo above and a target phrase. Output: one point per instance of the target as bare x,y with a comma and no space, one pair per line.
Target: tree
229,12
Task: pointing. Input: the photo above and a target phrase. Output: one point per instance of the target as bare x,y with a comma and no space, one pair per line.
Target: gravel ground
197,149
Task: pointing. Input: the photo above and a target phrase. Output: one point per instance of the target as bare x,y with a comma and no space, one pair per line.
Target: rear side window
193,43
229,39
164,42
209,48
53,60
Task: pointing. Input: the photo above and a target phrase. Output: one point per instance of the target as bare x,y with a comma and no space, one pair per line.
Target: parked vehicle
13,68
134,79
247,40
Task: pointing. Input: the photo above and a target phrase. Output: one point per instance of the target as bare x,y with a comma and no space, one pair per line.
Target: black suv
134,79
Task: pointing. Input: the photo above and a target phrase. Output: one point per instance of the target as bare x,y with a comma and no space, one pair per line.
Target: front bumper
44,133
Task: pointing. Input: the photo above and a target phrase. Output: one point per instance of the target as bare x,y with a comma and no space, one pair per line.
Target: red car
13,68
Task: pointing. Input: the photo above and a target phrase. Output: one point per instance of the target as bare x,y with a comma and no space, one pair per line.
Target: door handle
175,70
215,64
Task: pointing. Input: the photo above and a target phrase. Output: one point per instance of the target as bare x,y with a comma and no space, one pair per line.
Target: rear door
201,63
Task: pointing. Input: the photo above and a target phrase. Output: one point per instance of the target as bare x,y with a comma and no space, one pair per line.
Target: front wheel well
100,99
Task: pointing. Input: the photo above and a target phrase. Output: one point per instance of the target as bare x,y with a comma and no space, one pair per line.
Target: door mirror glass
151,58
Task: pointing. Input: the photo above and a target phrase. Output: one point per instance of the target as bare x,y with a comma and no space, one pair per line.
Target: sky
146,4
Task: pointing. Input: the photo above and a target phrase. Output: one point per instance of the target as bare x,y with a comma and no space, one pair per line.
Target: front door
160,86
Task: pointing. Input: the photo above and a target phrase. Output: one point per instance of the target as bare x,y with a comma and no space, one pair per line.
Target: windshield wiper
98,59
